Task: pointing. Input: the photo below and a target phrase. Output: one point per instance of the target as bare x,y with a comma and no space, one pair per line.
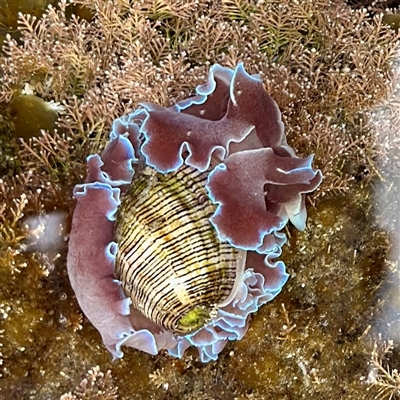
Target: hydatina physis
181,251
170,260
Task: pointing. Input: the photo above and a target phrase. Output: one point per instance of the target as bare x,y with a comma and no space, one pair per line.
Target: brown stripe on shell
169,259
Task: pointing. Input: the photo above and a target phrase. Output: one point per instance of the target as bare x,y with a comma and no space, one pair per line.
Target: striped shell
170,261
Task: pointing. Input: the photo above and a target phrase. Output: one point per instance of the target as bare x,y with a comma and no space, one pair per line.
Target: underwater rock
30,114
10,9
393,20
231,131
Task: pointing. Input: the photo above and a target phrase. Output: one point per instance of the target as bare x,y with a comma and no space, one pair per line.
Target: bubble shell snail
176,229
